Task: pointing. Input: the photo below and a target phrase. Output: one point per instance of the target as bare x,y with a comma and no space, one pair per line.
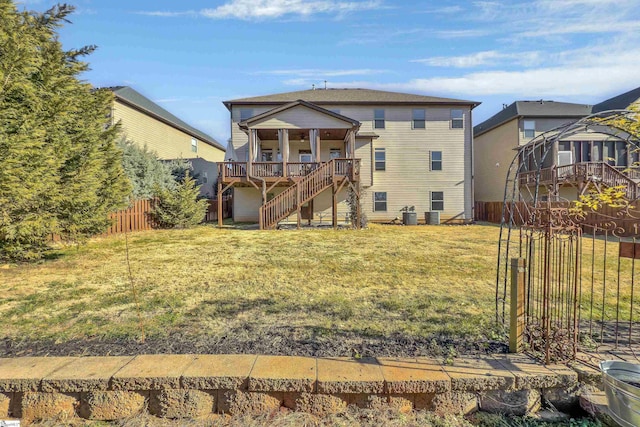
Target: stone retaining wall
193,386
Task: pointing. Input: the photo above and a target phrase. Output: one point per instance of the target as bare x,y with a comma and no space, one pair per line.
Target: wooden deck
586,172
283,174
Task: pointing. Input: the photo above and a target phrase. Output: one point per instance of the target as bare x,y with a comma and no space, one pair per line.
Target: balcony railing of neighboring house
601,172
231,170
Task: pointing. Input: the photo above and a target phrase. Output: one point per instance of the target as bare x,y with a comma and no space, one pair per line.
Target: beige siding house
147,124
497,139
399,151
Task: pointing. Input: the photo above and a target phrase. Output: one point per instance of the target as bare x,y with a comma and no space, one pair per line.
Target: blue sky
189,56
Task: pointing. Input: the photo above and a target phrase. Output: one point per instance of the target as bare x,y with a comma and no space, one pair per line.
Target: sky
189,56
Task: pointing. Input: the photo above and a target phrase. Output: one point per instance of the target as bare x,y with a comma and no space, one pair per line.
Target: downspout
473,173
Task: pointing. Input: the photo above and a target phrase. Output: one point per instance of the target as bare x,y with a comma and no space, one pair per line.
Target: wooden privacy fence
137,217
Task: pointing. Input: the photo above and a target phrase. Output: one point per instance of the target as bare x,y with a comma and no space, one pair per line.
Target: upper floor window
437,200
335,153
529,128
194,145
378,119
419,119
380,158
436,160
245,113
457,119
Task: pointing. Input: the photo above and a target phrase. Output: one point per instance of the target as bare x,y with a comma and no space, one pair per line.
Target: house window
419,119
529,128
380,158
378,119
457,119
380,201
335,153
205,177
437,200
436,160
194,145
245,113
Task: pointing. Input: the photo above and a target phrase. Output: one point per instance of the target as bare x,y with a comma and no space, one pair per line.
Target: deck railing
584,172
343,167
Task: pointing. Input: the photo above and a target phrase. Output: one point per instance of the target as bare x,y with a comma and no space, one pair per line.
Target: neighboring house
399,150
147,124
497,139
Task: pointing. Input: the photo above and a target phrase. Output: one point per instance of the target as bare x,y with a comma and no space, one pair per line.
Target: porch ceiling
298,134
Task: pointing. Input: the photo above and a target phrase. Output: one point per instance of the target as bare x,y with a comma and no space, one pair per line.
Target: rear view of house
396,151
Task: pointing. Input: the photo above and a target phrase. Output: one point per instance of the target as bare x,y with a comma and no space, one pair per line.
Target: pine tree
144,170
179,207
60,169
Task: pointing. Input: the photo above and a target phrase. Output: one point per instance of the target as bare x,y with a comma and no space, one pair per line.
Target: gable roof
620,102
539,108
295,104
348,96
138,101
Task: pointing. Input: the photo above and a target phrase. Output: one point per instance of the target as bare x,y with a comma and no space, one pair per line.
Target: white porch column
317,141
251,146
283,144
352,144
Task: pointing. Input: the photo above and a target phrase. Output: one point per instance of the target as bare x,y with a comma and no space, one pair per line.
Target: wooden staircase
305,189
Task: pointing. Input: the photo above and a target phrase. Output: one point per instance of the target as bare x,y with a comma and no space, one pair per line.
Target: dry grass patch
409,281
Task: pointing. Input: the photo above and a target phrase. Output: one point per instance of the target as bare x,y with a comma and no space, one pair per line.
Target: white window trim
386,201
194,145
383,151
525,128
375,119
423,119
440,161
456,119
438,201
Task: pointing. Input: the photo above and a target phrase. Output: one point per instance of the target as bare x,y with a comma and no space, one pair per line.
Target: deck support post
334,212
516,324
219,202
299,214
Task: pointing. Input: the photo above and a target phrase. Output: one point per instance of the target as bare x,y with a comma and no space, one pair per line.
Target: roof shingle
348,96
136,99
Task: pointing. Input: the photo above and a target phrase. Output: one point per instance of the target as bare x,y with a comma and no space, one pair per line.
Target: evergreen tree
179,207
60,169
144,170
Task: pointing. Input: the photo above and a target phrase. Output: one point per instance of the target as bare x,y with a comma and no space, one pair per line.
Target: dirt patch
287,341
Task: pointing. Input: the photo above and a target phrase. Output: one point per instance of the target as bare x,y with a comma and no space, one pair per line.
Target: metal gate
580,293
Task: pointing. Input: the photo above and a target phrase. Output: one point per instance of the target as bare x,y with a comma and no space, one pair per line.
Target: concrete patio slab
410,376
152,372
26,373
283,373
85,374
219,371
479,374
347,375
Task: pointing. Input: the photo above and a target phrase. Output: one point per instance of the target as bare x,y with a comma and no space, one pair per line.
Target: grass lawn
220,284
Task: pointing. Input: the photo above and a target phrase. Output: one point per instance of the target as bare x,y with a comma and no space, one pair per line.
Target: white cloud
466,61
454,34
272,9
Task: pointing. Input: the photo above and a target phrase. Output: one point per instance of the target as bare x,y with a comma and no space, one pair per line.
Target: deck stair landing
303,191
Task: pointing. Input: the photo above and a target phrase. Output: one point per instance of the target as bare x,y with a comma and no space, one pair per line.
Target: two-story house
395,151
147,124
597,156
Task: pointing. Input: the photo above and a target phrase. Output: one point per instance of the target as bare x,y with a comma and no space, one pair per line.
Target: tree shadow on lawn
262,339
